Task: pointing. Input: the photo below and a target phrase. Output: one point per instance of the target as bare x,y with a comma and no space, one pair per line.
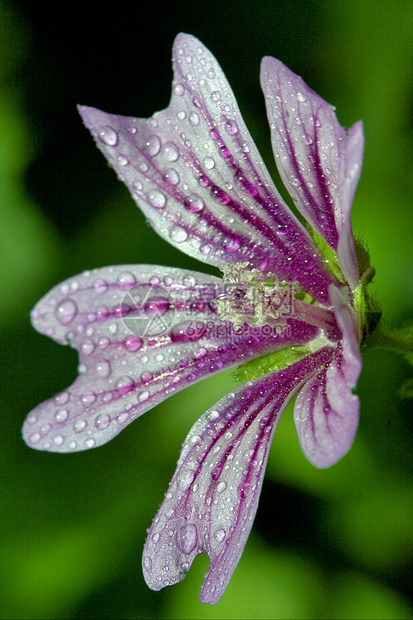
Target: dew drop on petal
171,152
171,177
142,396
194,203
153,145
185,479
178,234
216,96
232,244
187,538
219,535
205,249
103,369
107,135
126,280
301,97
232,127
89,443
102,421
157,199
66,311
88,347
179,89
124,385
88,398
61,415
133,343
147,563
209,163
100,285
194,118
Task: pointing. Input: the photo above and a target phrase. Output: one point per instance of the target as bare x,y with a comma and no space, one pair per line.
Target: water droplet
142,396
171,177
133,343
35,438
187,538
122,418
205,249
213,416
58,440
79,426
185,566
185,479
153,145
126,280
72,445
194,118
108,136
157,199
88,398
194,203
102,421
301,97
103,369
209,163
181,115
216,96
221,486
224,152
232,127
89,443
88,347
122,161
156,305
179,89
61,415
219,535
124,385
100,286
170,151
147,563
178,234
232,244
146,377
66,311
62,398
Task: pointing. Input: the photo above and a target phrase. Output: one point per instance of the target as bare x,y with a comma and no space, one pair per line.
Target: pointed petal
326,411
142,332
318,161
213,496
195,172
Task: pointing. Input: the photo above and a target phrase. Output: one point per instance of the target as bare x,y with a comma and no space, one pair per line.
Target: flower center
255,298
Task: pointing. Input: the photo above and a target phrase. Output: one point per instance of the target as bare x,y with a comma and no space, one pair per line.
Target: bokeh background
325,544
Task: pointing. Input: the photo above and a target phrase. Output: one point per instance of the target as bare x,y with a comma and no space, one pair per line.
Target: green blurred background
325,544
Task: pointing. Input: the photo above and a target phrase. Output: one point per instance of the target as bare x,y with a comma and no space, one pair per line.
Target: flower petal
318,161
326,412
213,496
143,333
195,172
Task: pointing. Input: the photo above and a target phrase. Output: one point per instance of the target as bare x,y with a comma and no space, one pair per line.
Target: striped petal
213,496
142,333
326,412
318,161
195,172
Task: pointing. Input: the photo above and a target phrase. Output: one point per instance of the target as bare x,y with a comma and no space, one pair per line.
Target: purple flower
290,307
